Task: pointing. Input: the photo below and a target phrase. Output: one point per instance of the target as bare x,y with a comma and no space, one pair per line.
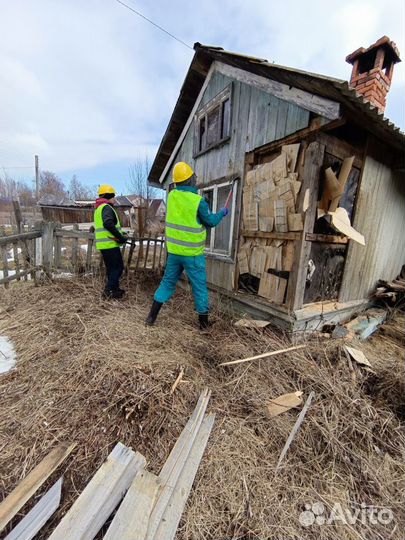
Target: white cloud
86,83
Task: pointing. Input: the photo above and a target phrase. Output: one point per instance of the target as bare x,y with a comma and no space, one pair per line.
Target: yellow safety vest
184,234
103,237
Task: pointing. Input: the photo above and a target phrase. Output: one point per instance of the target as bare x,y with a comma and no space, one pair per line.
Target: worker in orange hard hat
188,216
109,237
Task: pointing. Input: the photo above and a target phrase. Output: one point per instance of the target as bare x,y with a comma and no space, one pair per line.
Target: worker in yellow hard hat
188,216
109,237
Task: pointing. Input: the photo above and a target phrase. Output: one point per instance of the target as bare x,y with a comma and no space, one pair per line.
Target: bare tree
138,183
50,184
78,191
16,189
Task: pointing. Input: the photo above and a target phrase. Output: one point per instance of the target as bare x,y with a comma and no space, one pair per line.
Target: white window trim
210,250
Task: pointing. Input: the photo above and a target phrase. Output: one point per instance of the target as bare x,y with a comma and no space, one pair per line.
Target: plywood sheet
258,261
288,256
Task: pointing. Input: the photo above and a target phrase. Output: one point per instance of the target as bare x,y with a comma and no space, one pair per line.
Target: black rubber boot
204,323
154,311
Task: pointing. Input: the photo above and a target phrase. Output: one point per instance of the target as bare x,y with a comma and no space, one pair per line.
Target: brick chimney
372,70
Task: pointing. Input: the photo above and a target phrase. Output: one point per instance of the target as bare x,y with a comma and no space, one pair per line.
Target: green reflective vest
184,234
103,237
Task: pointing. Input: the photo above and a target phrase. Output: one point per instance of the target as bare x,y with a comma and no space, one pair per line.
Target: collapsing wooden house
316,175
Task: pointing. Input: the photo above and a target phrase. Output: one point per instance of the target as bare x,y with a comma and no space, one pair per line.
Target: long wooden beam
311,102
12,238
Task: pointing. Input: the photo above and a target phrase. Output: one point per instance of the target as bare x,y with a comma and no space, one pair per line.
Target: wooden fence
52,249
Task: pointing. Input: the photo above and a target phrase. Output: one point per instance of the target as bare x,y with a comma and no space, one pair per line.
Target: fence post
57,248
4,259
75,246
47,247
89,253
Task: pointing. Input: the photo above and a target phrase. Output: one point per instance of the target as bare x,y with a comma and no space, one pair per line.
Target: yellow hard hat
182,172
105,188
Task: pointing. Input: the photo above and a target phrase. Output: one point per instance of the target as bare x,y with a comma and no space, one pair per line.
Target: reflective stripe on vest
184,234
103,237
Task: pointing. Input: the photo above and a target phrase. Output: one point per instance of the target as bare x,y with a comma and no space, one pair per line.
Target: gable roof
335,89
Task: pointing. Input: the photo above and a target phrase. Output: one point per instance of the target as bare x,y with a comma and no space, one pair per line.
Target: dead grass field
92,372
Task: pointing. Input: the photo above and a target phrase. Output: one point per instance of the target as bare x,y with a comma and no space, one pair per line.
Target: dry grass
91,372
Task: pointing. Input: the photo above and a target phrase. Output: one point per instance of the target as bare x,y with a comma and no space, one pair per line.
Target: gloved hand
224,211
123,239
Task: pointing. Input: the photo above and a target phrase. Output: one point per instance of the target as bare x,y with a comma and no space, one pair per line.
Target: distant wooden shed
61,209
313,164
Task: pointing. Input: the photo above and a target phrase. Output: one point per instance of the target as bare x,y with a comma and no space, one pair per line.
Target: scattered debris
393,291
25,489
341,222
365,325
264,355
252,323
284,403
36,518
295,429
7,355
358,356
177,381
339,332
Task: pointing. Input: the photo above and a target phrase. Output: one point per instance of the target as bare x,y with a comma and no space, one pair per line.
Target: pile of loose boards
149,506
270,204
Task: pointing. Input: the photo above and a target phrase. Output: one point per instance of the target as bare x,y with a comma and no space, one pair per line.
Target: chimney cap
382,42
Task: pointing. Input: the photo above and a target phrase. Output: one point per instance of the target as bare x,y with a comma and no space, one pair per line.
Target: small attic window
213,122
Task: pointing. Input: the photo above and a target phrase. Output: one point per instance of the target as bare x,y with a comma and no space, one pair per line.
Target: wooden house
315,171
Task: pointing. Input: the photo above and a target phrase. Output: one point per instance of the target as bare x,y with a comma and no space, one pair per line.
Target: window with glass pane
213,122
219,238
223,230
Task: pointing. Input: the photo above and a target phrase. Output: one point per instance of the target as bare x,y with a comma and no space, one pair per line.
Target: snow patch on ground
7,355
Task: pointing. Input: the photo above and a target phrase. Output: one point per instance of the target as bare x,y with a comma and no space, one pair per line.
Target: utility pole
37,178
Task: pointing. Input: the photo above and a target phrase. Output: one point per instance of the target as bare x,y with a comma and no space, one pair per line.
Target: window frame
201,116
210,250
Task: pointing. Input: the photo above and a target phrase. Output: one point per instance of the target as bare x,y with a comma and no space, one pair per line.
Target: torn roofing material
361,111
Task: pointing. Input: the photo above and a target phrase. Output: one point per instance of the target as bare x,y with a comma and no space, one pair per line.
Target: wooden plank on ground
132,517
171,517
251,323
101,495
264,355
174,464
36,518
295,429
284,403
27,487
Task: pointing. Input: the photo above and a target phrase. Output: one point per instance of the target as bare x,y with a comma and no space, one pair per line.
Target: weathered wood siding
380,216
257,118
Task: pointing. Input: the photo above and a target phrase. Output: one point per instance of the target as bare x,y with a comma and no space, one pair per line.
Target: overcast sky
88,85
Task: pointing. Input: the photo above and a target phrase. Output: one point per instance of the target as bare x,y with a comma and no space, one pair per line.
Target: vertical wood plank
4,260
140,248
154,251
75,247
16,261
160,253
309,173
58,249
47,247
89,254
147,251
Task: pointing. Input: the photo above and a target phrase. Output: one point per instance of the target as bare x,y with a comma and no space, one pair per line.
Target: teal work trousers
195,269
